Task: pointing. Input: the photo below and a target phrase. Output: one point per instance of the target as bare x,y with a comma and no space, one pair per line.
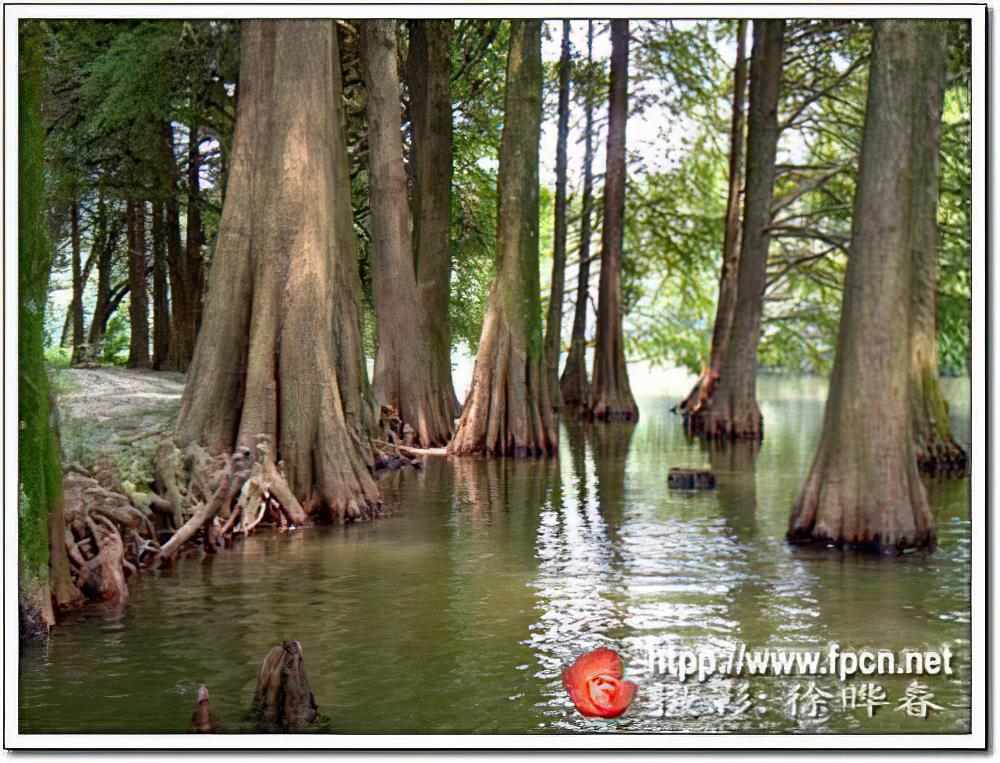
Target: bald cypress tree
279,354
864,489
507,410
731,411
610,393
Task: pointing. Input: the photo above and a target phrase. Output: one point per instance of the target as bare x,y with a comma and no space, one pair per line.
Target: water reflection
457,611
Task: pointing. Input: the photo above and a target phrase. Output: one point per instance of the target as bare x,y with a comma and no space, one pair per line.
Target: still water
456,612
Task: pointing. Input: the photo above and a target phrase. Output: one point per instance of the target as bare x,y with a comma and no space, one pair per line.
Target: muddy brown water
456,611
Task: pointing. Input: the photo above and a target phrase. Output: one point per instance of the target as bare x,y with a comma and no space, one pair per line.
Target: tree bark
864,489
729,274
507,410
731,411
161,304
553,323
44,582
574,386
428,72
610,393
184,274
76,305
105,241
280,353
195,237
937,451
138,311
406,362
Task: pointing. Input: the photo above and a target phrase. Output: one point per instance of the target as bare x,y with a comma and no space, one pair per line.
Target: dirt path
119,412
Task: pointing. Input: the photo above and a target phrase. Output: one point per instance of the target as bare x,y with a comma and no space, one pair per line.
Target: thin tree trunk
161,305
729,275
553,324
104,243
864,489
195,232
76,304
138,312
731,412
428,71
194,240
184,275
574,386
280,356
507,410
610,393
406,362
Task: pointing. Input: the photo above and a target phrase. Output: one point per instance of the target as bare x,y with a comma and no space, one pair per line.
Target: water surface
456,612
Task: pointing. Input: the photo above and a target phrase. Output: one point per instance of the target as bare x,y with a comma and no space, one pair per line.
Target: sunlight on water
458,610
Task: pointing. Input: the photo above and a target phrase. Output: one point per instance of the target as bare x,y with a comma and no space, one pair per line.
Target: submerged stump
691,479
283,701
202,719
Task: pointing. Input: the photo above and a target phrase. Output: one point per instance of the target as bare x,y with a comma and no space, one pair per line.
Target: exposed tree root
699,395
400,446
203,502
715,417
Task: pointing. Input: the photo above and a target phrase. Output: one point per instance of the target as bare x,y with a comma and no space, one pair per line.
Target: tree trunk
138,311
161,305
731,411
76,305
44,582
184,274
937,451
406,364
104,243
553,324
428,71
610,394
195,237
729,275
864,489
507,410
280,356
574,387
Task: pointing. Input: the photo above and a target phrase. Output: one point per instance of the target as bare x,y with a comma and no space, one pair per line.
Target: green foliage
675,203
113,86
58,357
479,60
116,340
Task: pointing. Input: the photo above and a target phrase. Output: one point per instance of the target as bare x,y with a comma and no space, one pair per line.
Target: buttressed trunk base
409,372
279,356
728,406
864,490
507,410
610,392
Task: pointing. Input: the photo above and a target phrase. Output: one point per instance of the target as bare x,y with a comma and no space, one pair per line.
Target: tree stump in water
202,720
283,701
690,479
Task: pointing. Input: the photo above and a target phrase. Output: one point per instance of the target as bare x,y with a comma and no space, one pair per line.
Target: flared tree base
717,420
881,508
939,457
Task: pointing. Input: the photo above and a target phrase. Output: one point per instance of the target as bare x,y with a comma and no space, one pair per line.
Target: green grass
58,357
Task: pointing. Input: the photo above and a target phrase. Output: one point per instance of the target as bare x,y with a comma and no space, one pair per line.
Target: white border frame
976,739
